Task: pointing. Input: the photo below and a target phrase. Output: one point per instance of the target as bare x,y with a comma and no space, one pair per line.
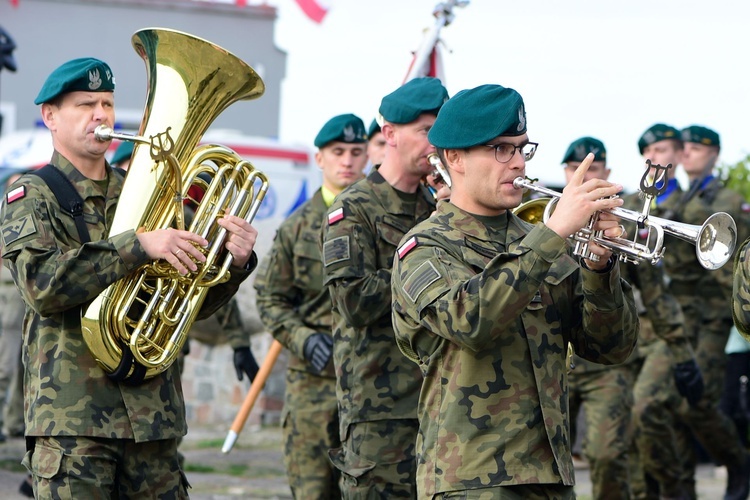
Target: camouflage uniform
85,425
487,313
705,300
294,304
377,387
11,331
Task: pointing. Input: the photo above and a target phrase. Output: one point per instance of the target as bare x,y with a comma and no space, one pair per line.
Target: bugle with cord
136,328
714,240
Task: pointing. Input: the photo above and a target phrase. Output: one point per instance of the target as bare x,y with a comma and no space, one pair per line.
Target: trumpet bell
716,241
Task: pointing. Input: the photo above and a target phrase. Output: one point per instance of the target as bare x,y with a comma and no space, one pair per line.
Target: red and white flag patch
407,247
16,194
335,216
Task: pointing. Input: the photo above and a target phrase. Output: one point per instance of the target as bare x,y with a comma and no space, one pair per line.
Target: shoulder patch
336,250
407,247
17,229
335,216
424,276
16,194
745,207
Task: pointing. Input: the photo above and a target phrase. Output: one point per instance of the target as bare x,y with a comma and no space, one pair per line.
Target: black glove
689,381
244,361
318,350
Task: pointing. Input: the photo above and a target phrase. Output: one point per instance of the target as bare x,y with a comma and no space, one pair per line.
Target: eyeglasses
504,151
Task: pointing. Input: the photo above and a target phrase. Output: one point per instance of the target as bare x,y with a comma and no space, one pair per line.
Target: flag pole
252,395
443,17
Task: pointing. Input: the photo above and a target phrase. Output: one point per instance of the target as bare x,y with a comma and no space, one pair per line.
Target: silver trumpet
714,241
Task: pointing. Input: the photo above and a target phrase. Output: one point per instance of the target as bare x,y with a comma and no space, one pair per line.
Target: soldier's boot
738,480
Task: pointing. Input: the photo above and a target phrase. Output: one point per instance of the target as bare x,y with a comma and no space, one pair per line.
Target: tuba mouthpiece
103,133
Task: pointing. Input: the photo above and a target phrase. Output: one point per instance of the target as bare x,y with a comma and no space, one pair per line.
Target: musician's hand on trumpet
579,201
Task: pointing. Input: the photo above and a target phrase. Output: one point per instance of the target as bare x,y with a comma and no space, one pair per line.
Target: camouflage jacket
66,391
741,290
365,223
291,298
687,276
488,315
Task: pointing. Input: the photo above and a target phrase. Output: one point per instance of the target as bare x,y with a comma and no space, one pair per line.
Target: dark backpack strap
67,196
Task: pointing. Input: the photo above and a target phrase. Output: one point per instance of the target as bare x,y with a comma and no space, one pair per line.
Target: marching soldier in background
89,436
705,298
296,309
486,304
375,144
603,392
377,387
669,371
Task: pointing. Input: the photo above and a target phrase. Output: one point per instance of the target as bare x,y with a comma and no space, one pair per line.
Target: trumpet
439,173
714,240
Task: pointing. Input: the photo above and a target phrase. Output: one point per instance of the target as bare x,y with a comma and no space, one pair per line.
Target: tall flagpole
443,17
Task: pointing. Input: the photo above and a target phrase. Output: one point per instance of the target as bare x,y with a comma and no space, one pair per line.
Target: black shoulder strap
67,196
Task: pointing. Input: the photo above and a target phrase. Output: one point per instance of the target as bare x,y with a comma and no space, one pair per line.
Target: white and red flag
314,9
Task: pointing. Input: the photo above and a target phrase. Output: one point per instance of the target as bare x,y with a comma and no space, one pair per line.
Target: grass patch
191,467
13,465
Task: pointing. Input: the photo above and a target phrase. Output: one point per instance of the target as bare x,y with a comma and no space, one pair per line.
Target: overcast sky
583,67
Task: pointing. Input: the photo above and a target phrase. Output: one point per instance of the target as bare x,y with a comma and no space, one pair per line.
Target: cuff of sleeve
129,249
546,243
604,283
681,351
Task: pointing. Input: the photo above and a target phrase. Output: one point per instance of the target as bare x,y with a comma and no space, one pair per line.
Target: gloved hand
689,380
244,361
318,350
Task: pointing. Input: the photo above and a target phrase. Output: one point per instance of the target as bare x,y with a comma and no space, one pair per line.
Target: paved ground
254,469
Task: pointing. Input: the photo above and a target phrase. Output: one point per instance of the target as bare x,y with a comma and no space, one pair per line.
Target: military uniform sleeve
52,270
219,295
661,308
610,319
360,289
277,296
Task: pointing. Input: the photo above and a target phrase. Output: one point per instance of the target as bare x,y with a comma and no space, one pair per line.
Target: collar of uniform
469,225
85,186
388,197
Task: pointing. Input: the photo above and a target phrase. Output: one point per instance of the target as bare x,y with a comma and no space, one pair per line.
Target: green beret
374,129
87,74
342,128
123,152
580,148
656,133
476,116
417,96
700,135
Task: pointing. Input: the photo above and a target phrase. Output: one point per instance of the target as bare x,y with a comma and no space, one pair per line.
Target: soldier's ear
454,159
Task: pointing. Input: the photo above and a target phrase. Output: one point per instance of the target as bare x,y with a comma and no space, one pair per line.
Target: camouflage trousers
712,428
520,492
377,460
657,431
606,397
310,426
73,468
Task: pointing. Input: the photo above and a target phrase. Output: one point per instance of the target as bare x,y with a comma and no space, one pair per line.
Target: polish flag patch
407,247
335,216
16,194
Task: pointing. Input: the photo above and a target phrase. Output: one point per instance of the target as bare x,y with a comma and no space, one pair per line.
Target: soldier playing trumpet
486,304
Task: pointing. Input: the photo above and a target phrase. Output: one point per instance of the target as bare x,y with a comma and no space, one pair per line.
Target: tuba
136,328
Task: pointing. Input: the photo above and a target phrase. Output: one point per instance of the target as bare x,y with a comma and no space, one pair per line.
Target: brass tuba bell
532,211
136,328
